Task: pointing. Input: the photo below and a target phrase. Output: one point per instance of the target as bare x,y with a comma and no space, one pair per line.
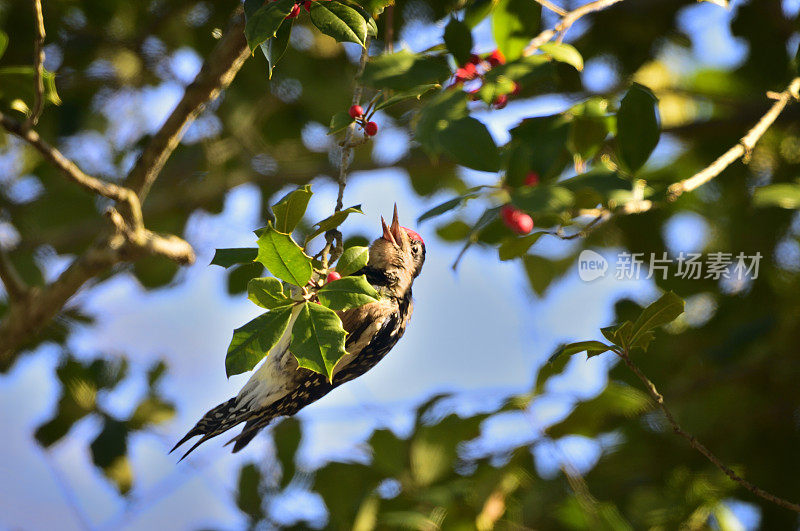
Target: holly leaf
339,21
248,496
514,24
331,222
411,94
665,310
638,127
263,24
404,70
252,342
458,39
783,195
279,253
347,292
291,208
564,53
230,257
267,292
469,143
340,121
516,247
352,260
318,339
593,348
450,204
275,48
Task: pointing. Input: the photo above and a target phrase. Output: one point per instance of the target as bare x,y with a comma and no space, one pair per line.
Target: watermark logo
739,267
591,265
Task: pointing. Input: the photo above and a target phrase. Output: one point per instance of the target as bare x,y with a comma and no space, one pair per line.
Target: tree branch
743,148
15,286
566,22
217,72
697,445
38,66
130,240
552,7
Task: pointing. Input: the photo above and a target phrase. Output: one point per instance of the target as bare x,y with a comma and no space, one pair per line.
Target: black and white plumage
280,388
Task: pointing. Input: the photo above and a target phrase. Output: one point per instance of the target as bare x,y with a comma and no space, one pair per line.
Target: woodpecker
280,388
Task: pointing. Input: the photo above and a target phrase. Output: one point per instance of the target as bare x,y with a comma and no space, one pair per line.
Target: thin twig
388,20
697,445
333,238
38,66
742,149
552,7
15,286
566,22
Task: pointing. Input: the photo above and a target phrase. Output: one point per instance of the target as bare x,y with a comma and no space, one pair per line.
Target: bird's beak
394,232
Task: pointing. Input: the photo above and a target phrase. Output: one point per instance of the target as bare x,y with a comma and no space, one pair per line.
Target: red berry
500,101
516,89
356,111
307,5
371,128
295,11
332,276
496,58
475,59
516,220
466,73
532,179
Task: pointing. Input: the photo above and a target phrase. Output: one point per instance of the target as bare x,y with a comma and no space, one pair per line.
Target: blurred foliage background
728,367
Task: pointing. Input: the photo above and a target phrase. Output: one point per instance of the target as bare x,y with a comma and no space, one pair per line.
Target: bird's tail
218,420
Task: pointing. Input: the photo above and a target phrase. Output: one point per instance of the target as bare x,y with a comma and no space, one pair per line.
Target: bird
279,387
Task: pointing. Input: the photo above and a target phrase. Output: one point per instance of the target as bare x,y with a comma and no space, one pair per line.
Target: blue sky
477,332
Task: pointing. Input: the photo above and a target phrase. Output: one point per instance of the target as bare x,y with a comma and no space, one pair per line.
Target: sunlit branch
743,148
566,22
697,445
38,66
552,7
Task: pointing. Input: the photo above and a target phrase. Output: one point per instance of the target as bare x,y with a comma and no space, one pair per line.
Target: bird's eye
415,249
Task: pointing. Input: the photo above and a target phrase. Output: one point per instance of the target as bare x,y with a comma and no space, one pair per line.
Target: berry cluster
357,113
516,219
476,68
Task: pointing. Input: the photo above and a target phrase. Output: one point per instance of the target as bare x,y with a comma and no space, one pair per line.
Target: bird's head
399,252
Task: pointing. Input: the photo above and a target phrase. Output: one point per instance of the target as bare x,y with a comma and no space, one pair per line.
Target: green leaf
230,257
469,143
3,43
415,93
516,247
543,198
318,339
275,48
439,112
489,215
352,260
287,435
549,136
372,26
290,210
339,21
283,257
477,11
564,53
783,195
150,412
109,453
404,70
554,366
252,342
267,292
347,292
592,347
450,204
248,493
265,21
331,222
514,24
458,39
665,310
638,127
340,120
